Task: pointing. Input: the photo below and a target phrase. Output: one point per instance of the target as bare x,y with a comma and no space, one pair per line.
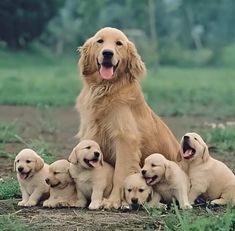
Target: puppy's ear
123,195
168,171
73,157
102,159
205,155
135,66
39,163
87,62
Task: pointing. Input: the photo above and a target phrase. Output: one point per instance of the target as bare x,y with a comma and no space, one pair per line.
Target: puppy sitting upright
206,174
31,174
167,178
136,193
62,188
93,176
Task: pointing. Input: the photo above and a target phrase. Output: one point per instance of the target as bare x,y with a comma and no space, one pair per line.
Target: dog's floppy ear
205,155
135,65
87,62
123,195
39,163
168,171
73,157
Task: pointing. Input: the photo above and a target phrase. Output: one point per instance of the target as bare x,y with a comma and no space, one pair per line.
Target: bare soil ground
58,126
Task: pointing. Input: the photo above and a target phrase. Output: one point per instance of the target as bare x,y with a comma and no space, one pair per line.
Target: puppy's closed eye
153,165
129,190
28,161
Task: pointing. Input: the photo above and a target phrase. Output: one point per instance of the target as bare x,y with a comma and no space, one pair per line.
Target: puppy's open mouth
24,175
107,69
150,180
188,151
55,185
93,163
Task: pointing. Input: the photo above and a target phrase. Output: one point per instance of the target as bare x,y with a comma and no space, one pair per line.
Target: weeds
9,188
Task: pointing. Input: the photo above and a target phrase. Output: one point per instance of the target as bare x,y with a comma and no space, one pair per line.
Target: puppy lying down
136,193
31,175
62,188
208,176
93,176
167,179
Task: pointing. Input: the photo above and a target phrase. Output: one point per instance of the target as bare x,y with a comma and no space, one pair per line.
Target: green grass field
39,78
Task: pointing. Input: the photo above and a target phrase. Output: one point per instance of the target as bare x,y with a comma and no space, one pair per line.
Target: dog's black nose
97,154
47,180
143,172
186,137
20,169
107,53
134,200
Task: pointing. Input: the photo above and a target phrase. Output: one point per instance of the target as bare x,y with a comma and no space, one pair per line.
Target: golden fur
31,174
167,178
113,112
62,187
208,176
92,175
136,192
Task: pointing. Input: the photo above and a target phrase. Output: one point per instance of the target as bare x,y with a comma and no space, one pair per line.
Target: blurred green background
187,45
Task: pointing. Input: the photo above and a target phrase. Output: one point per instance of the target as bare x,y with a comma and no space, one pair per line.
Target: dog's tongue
106,72
94,163
187,153
148,180
23,175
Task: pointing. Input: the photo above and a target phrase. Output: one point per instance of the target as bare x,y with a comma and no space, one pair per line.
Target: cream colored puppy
167,178
206,174
31,174
62,187
136,193
93,176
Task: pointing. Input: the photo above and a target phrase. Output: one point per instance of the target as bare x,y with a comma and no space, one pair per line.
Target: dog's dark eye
18,161
100,41
88,147
153,165
55,173
141,190
195,138
28,161
129,190
118,43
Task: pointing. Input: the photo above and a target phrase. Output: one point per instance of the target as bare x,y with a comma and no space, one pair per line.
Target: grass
9,188
8,132
43,79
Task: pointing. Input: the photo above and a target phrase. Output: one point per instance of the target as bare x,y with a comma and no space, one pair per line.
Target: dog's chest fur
84,183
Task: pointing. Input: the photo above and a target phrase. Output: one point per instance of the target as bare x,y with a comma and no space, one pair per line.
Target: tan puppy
136,193
62,188
31,174
167,178
93,176
113,111
206,174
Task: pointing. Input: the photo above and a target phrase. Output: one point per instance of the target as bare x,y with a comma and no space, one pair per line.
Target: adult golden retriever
112,108
208,176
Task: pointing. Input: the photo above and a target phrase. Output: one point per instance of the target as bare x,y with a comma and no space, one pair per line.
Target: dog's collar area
188,151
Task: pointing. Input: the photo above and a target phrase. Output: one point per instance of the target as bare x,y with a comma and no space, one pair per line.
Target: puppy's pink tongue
23,175
94,163
187,153
106,72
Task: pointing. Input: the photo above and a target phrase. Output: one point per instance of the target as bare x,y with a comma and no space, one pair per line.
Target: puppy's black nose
107,53
186,137
20,169
134,200
143,172
97,154
47,180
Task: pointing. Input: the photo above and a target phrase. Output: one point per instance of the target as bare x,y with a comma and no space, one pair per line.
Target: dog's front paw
21,203
109,204
186,206
48,204
95,205
80,204
30,203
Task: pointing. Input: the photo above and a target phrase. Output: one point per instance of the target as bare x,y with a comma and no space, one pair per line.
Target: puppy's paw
110,204
186,206
48,204
30,203
95,205
21,203
80,204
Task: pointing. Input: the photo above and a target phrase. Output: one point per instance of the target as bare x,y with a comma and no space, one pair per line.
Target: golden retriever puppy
112,108
93,176
31,175
207,175
136,193
62,187
167,178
